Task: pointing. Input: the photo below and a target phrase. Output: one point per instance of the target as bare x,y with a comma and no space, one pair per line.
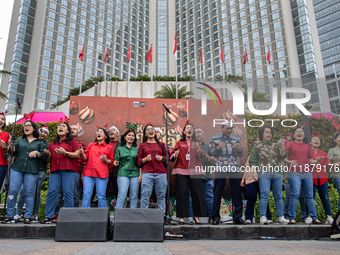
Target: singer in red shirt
188,154
151,159
99,156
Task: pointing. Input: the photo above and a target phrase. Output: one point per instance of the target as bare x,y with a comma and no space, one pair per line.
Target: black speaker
138,225
82,224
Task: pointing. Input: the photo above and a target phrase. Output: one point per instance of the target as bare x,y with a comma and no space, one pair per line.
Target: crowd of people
118,168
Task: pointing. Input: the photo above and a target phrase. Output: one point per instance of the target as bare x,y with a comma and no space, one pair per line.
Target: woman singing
63,153
128,173
99,156
188,154
4,143
151,158
25,169
300,155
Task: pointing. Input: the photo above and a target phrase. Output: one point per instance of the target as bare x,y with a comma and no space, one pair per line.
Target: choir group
118,167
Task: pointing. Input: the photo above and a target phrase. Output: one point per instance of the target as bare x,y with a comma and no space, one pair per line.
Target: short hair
261,132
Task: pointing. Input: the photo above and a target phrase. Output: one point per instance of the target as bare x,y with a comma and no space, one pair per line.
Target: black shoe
316,222
27,221
215,222
240,221
46,221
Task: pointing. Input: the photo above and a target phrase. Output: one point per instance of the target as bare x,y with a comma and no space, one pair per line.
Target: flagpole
129,79
81,77
151,79
176,81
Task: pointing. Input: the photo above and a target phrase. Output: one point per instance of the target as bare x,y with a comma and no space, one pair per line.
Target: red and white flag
245,56
106,58
268,56
222,54
149,56
175,46
129,54
81,54
201,55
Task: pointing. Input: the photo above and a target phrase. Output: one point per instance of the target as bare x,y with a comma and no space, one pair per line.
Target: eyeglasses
299,131
61,125
150,129
27,125
100,132
228,128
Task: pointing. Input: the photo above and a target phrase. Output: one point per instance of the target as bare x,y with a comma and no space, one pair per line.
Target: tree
233,78
170,92
4,73
257,96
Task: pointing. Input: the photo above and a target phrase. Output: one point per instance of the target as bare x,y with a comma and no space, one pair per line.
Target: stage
196,232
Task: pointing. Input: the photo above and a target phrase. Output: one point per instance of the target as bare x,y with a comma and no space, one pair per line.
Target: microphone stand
11,156
168,218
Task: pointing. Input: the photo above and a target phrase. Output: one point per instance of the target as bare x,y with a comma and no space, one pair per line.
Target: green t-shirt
22,162
127,157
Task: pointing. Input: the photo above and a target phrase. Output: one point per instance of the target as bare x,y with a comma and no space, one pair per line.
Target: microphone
167,109
41,124
19,104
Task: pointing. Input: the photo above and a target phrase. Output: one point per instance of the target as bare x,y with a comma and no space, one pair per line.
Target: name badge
187,156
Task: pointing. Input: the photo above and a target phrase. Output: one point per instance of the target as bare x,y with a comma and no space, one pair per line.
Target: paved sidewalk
178,247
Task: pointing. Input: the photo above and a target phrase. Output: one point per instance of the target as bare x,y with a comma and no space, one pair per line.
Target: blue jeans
16,180
306,180
3,172
123,186
60,196
337,186
323,194
302,200
252,189
149,181
88,184
274,180
208,190
58,178
21,198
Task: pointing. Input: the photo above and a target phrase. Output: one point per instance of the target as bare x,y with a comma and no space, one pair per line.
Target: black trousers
183,182
220,180
112,187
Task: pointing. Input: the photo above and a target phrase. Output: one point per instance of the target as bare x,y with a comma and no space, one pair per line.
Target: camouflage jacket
266,154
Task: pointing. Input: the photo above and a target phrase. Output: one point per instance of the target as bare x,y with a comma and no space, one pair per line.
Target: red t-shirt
113,144
154,166
4,136
320,171
62,162
301,152
95,167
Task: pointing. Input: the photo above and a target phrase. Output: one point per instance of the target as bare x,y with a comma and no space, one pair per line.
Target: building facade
47,36
328,24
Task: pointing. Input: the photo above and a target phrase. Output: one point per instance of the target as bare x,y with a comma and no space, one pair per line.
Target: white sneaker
270,221
329,219
248,221
264,220
308,220
17,217
283,220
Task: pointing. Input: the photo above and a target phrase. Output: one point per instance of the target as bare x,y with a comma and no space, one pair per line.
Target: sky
5,20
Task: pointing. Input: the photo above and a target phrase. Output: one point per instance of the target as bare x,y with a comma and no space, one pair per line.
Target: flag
222,54
175,46
106,58
129,54
149,55
201,55
268,56
245,56
81,54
